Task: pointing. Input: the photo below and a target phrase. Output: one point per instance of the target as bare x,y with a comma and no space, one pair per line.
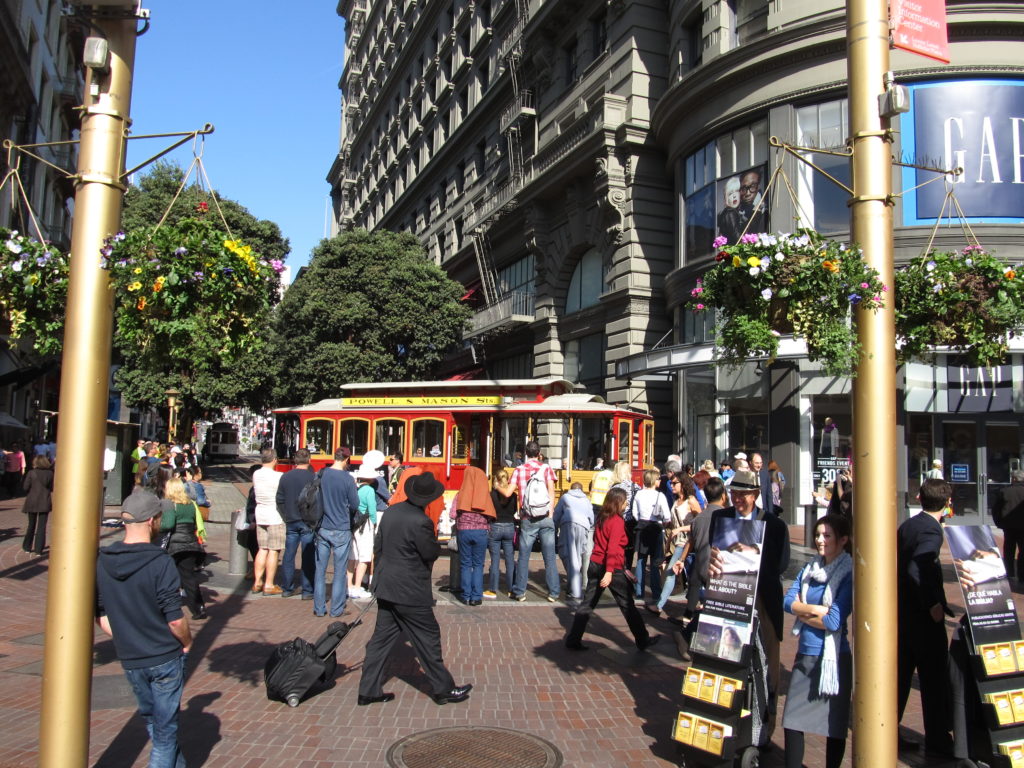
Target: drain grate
473,747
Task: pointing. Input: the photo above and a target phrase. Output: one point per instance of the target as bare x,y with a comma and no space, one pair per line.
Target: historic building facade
568,161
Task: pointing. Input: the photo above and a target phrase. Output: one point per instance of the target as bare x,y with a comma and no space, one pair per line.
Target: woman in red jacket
605,571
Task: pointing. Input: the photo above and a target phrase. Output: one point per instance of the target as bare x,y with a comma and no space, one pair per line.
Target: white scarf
820,573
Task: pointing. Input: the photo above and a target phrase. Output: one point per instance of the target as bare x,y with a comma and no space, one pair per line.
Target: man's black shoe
307,596
455,695
289,592
907,745
201,616
651,640
363,701
577,647
475,603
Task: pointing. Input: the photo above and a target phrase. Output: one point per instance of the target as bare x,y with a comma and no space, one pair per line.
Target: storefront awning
666,360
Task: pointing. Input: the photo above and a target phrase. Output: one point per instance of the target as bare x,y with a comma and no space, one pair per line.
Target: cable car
446,426
221,441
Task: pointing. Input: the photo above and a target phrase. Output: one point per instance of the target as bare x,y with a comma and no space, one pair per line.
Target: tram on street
446,426
221,441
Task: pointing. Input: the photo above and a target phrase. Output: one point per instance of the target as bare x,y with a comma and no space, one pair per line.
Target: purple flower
180,251
930,266
865,286
750,238
119,237
43,260
227,270
719,241
854,298
197,275
277,265
106,250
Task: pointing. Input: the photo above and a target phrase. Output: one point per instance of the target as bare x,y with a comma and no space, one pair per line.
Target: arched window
586,284
320,436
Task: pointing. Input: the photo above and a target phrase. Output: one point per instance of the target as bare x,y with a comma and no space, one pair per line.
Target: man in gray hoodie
574,521
138,604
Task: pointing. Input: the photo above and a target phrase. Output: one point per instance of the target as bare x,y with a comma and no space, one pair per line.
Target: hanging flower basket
33,290
969,301
767,285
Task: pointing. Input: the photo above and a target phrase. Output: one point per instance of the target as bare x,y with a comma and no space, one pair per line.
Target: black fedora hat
423,489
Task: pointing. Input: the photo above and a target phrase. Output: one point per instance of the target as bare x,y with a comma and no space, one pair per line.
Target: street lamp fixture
172,412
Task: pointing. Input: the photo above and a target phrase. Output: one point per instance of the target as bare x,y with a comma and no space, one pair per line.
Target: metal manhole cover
473,747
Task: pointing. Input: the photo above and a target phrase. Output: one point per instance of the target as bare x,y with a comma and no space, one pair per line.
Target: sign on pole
919,26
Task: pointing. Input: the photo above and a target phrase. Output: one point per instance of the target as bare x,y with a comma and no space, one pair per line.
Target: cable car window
355,435
389,436
460,448
624,446
320,436
648,444
286,436
428,439
588,442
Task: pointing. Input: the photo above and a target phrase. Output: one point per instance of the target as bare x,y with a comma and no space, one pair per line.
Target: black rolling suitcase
294,667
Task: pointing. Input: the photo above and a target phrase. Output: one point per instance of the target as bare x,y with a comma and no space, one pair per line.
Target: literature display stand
987,657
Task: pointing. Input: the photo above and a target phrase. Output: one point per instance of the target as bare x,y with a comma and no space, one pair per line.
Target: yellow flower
33,279
831,266
137,270
159,284
753,261
134,286
736,261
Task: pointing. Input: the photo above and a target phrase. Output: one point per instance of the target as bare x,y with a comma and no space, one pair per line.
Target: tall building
568,161
40,88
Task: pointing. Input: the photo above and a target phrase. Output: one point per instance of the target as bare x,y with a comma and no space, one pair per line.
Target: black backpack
311,508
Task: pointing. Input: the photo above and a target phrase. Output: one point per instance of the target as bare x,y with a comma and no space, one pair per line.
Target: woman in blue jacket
821,598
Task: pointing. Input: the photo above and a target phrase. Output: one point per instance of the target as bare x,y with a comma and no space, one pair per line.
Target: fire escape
504,310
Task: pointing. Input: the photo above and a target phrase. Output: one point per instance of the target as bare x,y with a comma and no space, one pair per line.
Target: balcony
492,202
521,107
511,310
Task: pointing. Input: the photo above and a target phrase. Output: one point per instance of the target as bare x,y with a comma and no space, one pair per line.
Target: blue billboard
977,125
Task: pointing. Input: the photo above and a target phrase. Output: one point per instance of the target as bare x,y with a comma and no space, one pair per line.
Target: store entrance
978,455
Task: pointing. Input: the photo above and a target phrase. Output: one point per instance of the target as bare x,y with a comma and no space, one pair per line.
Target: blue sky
266,75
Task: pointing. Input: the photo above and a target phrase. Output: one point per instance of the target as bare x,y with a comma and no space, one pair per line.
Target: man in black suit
921,606
1008,514
765,500
744,490
404,552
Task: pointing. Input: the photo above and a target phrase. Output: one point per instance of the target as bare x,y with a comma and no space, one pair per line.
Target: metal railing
522,104
513,308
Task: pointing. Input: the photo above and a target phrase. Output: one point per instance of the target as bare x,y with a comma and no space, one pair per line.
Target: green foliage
969,301
33,290
804,284
146,202
370,307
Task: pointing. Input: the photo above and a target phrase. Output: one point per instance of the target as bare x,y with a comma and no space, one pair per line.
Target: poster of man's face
740,204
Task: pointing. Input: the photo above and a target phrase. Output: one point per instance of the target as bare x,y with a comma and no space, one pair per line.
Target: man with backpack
298,532
535,482
339,501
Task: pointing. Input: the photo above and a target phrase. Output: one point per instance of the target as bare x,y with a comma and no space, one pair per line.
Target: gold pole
874,401
78,491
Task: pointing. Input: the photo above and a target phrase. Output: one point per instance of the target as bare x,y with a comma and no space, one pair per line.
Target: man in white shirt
270,528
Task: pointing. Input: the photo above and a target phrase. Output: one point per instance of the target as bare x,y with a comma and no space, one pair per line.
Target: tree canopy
370,307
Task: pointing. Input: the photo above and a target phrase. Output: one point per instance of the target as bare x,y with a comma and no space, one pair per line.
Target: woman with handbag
606,570
363,526
684,510
181,519
38,486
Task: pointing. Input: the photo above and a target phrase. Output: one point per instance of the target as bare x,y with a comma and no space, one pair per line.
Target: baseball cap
139,507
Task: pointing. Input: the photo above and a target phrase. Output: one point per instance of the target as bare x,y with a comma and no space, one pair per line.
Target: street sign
919,26
960,473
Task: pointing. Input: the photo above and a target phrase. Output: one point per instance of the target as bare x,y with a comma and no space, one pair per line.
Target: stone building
567,161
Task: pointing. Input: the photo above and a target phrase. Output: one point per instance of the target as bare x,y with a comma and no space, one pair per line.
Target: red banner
919,26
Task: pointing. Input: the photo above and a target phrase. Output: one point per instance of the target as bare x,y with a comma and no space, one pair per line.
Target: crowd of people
377,528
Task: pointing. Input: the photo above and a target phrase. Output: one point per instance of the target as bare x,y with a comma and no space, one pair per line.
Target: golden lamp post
173,406
874,395
85,368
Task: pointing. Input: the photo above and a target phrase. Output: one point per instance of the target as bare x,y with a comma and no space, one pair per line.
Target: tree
370,307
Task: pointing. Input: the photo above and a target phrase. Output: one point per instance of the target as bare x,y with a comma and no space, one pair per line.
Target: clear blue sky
266,75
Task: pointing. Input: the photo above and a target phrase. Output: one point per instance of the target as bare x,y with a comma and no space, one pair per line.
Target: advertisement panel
982,577
977,125
725,623
740,204
919,26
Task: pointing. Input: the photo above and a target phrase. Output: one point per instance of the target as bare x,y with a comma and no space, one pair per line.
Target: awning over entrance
665,360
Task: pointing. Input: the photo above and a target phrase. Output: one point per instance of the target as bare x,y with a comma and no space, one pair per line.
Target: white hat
175,449
373,459
366,473
740,455
937,462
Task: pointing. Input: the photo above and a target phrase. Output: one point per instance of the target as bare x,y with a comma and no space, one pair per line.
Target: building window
583,362
723,189
824,126
572,63
517,277
515,367
599,30
586,284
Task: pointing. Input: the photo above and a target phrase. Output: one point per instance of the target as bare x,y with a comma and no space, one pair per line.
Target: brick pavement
610,706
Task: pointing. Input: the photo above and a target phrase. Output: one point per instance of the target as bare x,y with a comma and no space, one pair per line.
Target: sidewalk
611,707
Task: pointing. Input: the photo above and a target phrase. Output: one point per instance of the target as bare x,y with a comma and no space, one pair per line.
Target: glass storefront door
978,456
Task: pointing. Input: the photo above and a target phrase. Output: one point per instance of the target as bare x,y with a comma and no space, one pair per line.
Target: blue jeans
298,534
670,577
338,542
651,537
158,692
500,540
529,530
472,548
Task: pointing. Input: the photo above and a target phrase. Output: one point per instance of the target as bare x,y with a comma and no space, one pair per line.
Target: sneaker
552,598
489,595
518,598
